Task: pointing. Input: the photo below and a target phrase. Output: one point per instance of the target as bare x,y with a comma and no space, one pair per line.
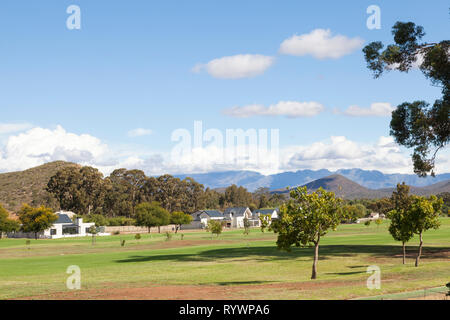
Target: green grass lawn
232,259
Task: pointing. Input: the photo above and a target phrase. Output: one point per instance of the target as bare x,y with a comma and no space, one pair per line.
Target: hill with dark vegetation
347,189
28,186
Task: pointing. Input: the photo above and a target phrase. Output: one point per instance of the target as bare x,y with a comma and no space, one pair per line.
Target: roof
63,219
213,213
210,213
236,212
266,211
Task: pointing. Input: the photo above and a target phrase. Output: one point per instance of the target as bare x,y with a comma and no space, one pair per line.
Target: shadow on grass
233,283
346,273
273,254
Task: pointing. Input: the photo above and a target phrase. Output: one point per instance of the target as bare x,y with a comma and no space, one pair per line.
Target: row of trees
85,191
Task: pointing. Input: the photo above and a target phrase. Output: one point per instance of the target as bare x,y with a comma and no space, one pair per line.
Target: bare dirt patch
185,292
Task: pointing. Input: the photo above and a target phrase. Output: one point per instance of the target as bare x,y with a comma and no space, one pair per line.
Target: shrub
137,236
215,227
98,219
168,236
116,232
121,221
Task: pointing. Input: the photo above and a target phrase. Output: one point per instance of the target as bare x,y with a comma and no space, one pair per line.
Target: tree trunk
420,250
35,235
176,229
404,252
316,260
159,229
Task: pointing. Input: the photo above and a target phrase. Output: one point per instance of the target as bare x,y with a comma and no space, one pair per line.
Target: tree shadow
273,254
232,283
346,273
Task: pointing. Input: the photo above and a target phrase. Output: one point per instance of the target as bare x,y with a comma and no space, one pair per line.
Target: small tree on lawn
7,224
36,219
306,218
151,215
424,215
246,226
178,218
215,227
378,222
93,230
401,228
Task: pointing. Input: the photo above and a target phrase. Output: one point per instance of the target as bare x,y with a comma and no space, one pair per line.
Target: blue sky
131,66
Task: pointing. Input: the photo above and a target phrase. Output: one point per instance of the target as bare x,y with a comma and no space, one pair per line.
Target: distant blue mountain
252,180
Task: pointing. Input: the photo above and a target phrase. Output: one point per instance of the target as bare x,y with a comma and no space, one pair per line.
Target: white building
64,227
234,217
202,217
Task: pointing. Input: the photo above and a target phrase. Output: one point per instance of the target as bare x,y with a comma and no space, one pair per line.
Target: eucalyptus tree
416,124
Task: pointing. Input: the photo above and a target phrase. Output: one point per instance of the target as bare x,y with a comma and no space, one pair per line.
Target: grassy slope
232,259
28,186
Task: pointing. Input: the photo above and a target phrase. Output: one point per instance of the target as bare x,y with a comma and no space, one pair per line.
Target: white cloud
320,44
139,132
236,67
6,128
40,145
37,146
378,109
290,109
342,153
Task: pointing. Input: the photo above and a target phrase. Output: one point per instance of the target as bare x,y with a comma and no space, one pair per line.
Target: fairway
231,266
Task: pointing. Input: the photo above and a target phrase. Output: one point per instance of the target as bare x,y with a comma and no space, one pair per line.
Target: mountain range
253,180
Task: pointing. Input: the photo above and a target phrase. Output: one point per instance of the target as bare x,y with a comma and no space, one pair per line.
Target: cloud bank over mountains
37,145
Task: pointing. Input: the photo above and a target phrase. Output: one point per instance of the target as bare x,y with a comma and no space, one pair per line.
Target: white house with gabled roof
64,227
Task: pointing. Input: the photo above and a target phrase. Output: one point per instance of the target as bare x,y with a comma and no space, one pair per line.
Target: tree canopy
178,218
401,225
416,124
36,220
306,218
7,224
78,189
151,215
424,215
